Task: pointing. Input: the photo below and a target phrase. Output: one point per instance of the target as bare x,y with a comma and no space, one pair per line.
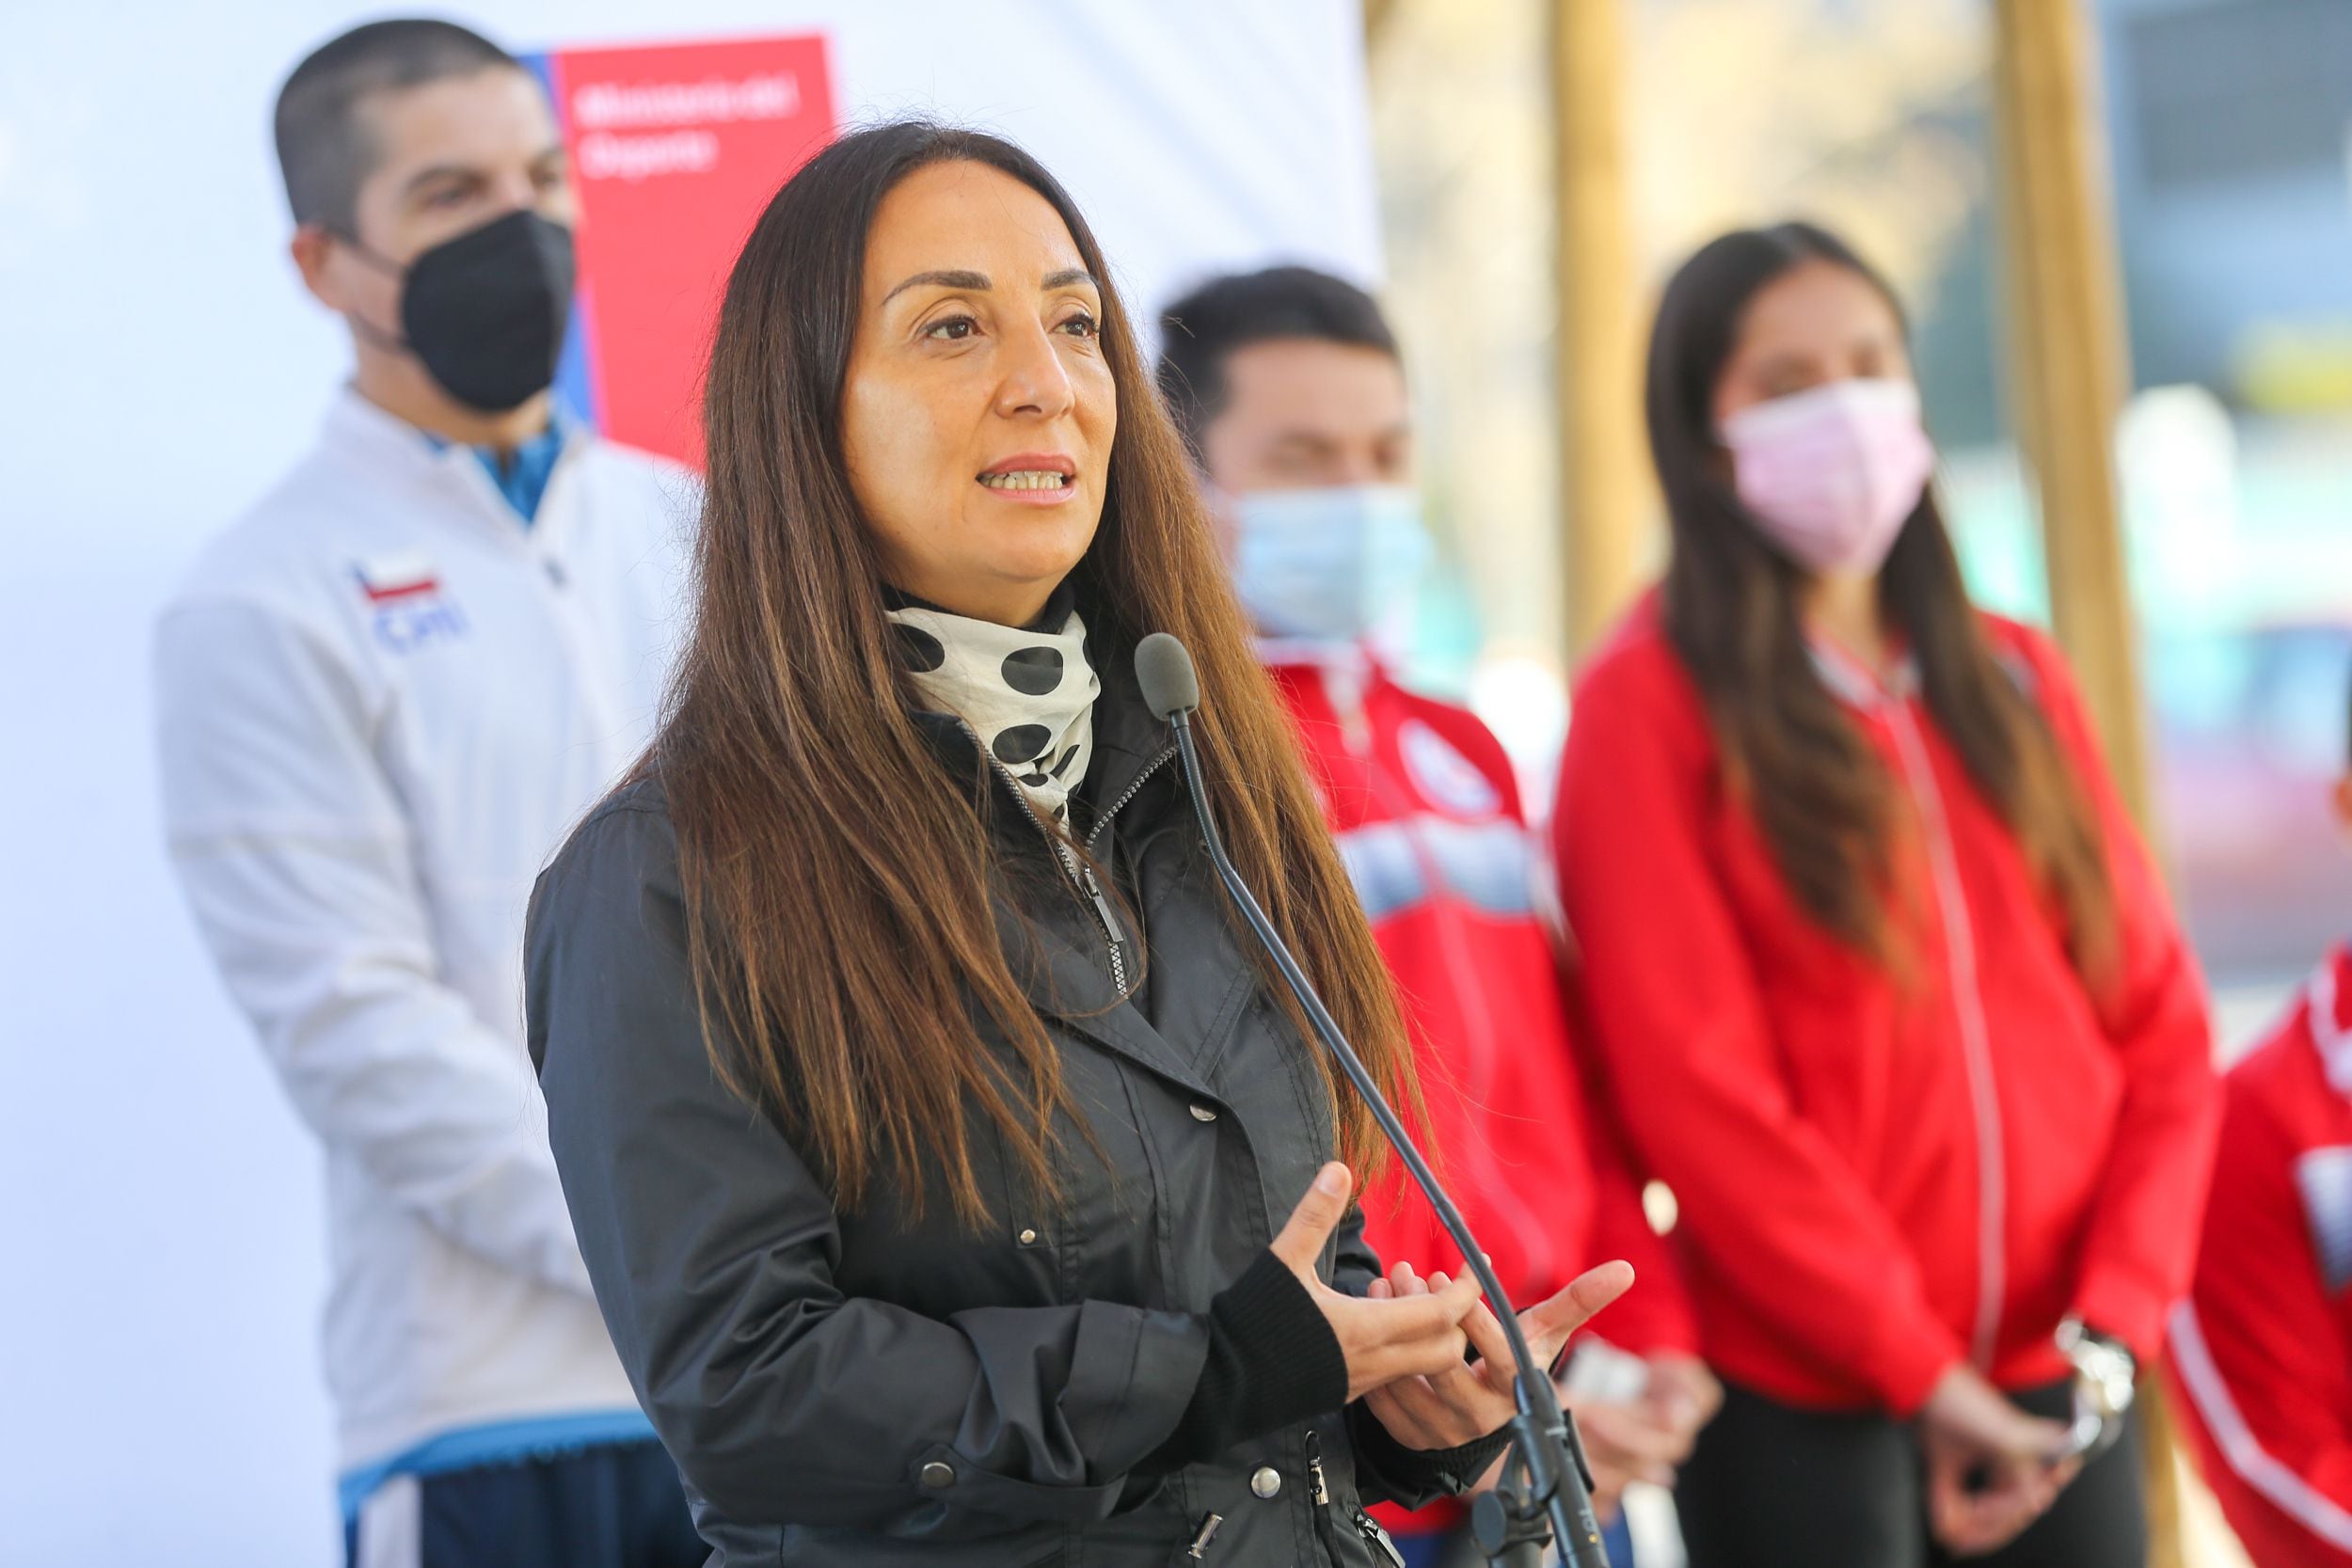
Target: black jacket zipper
1377,1539
1134,785
1366,1525
1080,874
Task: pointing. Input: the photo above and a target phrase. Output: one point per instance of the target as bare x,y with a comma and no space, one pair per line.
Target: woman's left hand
1465,1403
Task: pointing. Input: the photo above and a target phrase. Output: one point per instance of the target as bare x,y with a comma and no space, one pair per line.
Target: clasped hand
1991,1468
1406,1342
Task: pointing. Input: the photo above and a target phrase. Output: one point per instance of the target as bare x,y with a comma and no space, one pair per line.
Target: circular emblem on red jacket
1445,777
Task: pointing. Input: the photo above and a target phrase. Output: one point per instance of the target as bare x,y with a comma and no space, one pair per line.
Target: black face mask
485,313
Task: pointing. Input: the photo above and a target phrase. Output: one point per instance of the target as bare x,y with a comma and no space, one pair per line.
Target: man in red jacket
1289,386
2261,1354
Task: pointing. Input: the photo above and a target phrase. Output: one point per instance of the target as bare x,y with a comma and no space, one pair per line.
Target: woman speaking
953,1189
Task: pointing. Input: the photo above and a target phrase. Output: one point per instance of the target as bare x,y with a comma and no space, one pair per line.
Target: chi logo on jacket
407,608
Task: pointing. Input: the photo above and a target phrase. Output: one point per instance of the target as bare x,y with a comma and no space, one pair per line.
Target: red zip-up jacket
2261,1354
1426,809
1880,1177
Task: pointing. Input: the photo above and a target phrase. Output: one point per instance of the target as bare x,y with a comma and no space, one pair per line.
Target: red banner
675,150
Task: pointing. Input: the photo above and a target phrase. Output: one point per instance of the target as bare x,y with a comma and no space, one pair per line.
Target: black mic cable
1552,1472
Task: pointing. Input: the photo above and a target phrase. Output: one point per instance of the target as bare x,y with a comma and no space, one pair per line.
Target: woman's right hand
1415,1335
1991,1468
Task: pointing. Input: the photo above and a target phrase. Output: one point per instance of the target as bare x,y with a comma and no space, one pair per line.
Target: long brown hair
837,882
1731,606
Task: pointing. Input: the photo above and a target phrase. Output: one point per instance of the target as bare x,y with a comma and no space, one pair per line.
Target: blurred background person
1884,984
956,1190
383,694
1289,391
2263,1348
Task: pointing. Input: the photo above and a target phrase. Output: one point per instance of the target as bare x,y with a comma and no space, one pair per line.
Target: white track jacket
382,701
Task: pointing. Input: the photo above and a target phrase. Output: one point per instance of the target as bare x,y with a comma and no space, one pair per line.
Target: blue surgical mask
1336,565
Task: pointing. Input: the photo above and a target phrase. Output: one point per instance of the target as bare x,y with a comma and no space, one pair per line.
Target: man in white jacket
384,694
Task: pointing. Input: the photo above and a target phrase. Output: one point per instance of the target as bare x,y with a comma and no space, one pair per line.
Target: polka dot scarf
1029,694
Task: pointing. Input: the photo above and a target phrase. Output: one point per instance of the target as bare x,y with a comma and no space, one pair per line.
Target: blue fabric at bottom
497,1443
1423,1551
1435,1549
613,1506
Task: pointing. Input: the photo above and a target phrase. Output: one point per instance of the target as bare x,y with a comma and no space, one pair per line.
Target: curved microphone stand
1547,1488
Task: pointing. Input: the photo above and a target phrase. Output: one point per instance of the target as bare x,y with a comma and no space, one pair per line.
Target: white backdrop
161,1240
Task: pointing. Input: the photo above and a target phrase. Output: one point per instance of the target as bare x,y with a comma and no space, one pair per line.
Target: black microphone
1548,1475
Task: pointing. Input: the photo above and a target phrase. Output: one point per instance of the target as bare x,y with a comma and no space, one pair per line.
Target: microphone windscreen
1164,670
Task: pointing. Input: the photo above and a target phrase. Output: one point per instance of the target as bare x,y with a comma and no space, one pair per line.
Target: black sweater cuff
1272,1360
1414,1478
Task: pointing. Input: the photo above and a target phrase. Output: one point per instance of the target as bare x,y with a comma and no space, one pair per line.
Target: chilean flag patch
390,580
405,604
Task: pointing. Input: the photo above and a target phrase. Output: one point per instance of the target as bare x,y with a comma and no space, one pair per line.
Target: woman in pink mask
1883,984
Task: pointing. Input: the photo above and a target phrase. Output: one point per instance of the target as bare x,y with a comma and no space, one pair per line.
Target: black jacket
859,1388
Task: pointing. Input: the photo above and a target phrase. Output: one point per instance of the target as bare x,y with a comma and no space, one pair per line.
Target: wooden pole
2068,354
2070,372
1605,483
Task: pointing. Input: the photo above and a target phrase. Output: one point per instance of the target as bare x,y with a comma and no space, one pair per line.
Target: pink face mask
1831,473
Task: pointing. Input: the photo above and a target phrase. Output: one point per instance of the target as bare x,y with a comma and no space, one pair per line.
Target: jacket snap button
1029,1238
1265,1480
937,1477
1204,1113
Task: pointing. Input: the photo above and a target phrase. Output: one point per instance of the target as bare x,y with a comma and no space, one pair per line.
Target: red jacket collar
1858,686
1849,679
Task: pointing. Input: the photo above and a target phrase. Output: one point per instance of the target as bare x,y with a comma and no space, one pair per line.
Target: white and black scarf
1028,693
